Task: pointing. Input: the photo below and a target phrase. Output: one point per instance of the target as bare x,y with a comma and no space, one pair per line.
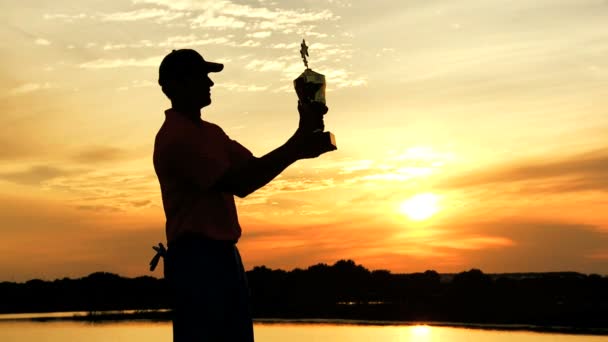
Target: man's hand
306,145
311,116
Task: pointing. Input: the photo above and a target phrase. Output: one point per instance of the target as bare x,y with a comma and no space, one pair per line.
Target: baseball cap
179,64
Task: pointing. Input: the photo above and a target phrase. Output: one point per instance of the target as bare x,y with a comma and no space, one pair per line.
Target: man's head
184,78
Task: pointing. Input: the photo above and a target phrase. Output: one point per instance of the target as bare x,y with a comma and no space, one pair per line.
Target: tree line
349,291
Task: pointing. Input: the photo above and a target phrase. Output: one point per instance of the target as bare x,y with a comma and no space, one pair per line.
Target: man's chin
205,102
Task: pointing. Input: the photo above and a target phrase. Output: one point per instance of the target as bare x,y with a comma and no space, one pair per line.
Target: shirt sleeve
239,154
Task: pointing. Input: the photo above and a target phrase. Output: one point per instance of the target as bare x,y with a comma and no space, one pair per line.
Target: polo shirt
190,156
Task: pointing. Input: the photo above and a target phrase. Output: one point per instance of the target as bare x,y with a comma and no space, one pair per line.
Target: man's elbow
242,193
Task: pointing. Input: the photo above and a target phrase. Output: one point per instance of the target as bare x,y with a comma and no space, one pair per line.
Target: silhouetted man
200,169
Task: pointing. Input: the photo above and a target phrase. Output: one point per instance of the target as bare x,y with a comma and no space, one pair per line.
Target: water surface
68,331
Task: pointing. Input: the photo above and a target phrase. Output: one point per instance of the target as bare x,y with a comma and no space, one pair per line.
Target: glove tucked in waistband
161,251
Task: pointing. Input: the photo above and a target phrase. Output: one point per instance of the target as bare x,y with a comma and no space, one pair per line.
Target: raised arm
257,172
304,144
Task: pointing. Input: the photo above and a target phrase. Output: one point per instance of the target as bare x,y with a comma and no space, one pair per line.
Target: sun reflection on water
420,333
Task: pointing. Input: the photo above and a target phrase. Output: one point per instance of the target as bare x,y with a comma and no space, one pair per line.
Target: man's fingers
313,107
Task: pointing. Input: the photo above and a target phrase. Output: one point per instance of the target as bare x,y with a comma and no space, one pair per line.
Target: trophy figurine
310,87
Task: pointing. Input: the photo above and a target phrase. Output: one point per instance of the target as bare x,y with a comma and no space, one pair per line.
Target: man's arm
257,172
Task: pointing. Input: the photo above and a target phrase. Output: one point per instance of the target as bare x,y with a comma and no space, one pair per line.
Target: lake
15,328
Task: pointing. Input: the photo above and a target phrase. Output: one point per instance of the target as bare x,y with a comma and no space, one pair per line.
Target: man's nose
210,82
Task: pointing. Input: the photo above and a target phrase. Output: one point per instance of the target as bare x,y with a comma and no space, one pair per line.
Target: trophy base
331,139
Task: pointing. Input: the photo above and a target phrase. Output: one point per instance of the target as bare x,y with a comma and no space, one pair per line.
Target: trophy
310,87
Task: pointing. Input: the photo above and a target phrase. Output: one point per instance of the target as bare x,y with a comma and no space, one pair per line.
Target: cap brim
214,67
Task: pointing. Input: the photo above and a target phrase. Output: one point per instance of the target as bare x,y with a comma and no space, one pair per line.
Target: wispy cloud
103,63
474,242
228,14
265,65
179,41
338,78
582,172
260,34
100,154
501,246
35,175
541,245
219,15
161,15
221,22
137,84
341,78
231,86
30,87
101,189
65,17
42,41
98,208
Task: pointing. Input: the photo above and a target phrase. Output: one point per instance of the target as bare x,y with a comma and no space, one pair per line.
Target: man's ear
170,88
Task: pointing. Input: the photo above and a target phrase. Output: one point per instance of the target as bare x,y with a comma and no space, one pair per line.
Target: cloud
601,255
138,84
142,203
260,34
14,148
538,245
29,87
341,78
582,172
100,154
224,15
103,188
265,65
287,46
35,175
98,208
103,63
142,14
53,239
337,78
416,162
493,246
190,40
217,22
42,41
248,43
157,14
65,17
231,86
183,5
474,242
302,245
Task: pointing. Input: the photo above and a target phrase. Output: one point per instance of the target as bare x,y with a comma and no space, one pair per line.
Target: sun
421,206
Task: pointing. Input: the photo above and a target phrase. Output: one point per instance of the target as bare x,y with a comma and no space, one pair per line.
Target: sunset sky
471,134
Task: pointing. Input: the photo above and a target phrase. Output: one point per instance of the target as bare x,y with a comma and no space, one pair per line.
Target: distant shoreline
163,315
342,293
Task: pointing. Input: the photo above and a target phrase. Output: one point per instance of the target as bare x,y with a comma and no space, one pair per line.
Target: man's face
193,91
198,88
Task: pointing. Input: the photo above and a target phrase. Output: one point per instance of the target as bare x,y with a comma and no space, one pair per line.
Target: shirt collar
174,113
